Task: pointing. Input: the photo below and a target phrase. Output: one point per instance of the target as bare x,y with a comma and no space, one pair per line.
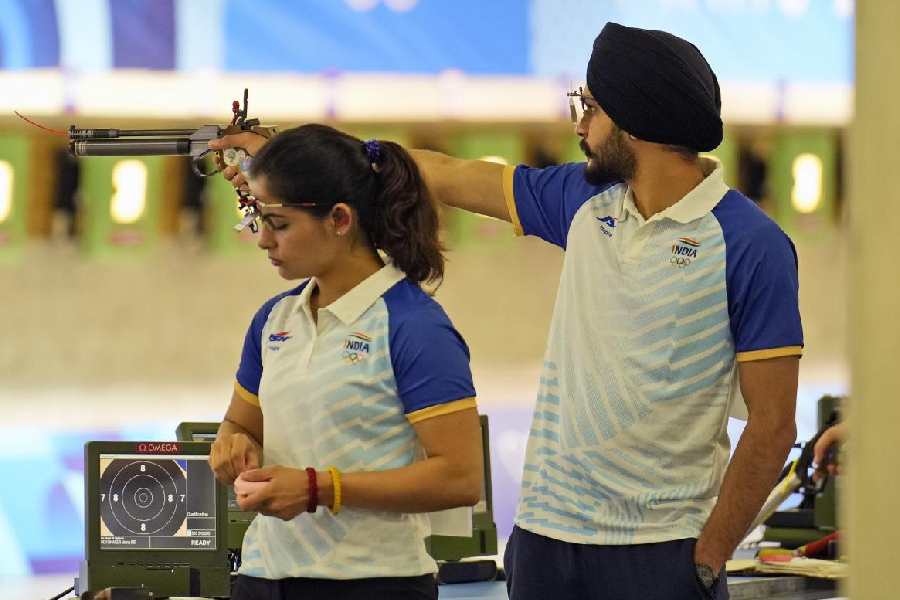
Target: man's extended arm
472,185
769,388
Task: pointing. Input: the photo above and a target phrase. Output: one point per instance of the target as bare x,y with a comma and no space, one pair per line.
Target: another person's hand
233,454
825,450
284,495
249,141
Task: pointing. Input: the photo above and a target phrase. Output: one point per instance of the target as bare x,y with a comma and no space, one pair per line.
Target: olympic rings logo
351,357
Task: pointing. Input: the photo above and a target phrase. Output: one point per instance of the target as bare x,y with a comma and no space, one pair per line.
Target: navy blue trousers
541,568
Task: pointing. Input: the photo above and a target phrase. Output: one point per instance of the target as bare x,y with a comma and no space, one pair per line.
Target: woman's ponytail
404,221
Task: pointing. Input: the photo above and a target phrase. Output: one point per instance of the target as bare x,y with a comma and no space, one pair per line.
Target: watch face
705,575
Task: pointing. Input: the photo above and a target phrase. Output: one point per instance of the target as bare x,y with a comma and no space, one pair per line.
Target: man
675,292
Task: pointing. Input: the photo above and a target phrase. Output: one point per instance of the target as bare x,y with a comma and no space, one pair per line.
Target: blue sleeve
250,369
763,286
430,359
546,200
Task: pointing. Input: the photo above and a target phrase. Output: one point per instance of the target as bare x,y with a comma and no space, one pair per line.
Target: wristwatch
705,575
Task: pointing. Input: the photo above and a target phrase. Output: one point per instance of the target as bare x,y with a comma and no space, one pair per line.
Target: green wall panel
101,235
785,180
727,154
16,168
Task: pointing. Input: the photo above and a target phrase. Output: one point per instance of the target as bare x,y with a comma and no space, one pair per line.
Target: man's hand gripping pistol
179,142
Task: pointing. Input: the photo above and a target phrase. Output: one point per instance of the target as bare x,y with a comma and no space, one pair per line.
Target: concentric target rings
143,497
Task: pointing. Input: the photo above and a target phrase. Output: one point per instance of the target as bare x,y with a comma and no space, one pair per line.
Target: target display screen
150,502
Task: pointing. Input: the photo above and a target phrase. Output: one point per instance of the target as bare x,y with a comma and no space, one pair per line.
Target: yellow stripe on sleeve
510,196
770,353
245,394
439,410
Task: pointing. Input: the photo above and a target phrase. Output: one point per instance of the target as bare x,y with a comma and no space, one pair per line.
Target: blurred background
126,293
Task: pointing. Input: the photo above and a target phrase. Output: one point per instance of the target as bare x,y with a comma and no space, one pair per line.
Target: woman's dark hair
317,163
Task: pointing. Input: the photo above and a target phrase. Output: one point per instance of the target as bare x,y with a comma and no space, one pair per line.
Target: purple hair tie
373,152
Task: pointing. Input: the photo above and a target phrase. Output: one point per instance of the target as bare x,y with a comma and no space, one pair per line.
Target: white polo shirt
628,442
344,391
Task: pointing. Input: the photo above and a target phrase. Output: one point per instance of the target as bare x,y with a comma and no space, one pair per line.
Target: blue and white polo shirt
345,391
628,443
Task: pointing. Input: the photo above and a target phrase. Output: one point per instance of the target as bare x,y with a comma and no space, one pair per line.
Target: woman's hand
232,454
284,493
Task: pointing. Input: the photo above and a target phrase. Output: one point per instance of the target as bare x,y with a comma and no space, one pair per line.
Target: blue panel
742,40
85,35
326,35
764,41
15,36
43,512
143,33
44,33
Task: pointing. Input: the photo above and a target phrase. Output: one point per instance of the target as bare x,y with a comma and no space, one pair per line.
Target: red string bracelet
313,502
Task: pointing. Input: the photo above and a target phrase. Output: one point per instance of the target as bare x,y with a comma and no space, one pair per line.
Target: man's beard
613,161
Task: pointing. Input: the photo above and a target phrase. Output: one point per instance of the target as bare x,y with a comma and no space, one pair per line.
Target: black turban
656,86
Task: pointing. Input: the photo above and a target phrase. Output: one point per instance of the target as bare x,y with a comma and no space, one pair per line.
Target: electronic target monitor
146,502
155,517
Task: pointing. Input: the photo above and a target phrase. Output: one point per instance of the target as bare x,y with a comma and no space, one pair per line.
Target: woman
353,411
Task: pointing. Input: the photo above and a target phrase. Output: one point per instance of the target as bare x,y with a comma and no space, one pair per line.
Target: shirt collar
349,307
695,203
305,294
629,208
